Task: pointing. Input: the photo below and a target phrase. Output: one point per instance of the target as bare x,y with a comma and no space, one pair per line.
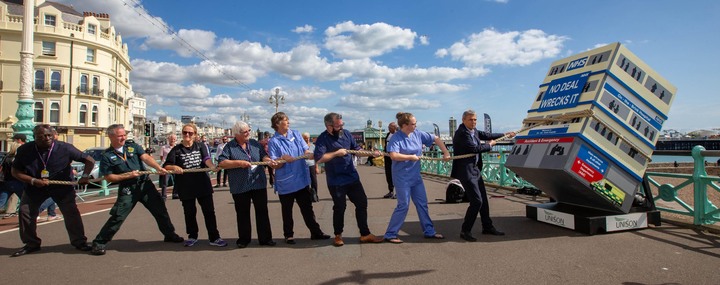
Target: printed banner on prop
488,124
589,165
563,92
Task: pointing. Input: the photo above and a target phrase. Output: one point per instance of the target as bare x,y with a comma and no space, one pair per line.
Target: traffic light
152,129
148,130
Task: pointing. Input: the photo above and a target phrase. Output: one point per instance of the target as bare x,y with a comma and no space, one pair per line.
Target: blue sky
372,59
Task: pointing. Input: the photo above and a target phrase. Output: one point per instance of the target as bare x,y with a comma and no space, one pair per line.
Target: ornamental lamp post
25,101
277,98
380,126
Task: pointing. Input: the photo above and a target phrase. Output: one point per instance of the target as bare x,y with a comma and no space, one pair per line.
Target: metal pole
25,113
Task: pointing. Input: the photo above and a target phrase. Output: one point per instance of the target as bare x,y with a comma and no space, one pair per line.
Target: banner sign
488,124
589,165
564,92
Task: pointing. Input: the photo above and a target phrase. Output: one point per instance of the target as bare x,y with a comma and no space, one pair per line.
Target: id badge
253,167
44,174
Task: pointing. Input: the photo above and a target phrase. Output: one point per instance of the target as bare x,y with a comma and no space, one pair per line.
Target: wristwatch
85,175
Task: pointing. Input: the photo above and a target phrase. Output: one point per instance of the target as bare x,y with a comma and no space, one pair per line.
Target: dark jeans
475,191
208,210
49,204
388,173
304,202
146,194
313,177
164,183
29,210
262,220
10,187
356,193
224,176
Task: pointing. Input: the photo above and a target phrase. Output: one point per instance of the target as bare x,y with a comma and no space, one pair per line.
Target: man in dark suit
392,128
467,170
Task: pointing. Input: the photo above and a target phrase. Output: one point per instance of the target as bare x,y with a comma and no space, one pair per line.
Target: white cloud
491,47
220,100
230,51
354,101
160,112
424,40
292,95
196,109
499,1
202,73
198,39
125,19
156,100
382,87
170,89
305,29
366,40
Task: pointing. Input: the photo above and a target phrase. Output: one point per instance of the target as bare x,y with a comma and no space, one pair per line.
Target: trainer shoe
41,219
389,195
175,238
190,242
224,184
52,218
218,242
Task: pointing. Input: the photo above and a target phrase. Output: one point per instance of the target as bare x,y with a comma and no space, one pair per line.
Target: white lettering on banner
559,101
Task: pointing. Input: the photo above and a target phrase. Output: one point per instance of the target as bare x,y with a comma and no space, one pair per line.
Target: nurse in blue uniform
405,148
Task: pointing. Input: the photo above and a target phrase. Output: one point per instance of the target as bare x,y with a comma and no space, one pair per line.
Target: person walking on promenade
342,177
120,164
11,186
164,150
195,186
405,149
35,164
264,143
467,170
292,178
247,183
392,128
314,170
221,173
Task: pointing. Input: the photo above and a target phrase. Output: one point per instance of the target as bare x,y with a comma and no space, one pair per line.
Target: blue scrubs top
407,173
291,177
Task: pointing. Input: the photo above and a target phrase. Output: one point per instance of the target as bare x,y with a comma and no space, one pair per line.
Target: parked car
95,153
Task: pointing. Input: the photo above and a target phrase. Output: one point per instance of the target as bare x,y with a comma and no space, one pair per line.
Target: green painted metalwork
704,211
25,115
493,171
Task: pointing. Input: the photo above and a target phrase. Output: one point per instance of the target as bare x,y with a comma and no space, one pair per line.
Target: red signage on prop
545,140
586,171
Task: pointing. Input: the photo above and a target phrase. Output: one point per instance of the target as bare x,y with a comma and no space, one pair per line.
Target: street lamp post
277,98
25,101
380,136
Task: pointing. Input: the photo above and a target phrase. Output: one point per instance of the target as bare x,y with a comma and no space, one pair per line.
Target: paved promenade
530,253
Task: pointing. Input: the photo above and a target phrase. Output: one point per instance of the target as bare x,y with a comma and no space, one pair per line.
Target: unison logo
622,223
550,217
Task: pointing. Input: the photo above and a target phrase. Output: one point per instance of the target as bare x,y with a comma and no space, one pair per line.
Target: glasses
188,133
339,126
245,132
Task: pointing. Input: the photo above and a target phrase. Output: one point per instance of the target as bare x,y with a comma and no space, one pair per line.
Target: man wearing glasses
35,164
120,163
342,177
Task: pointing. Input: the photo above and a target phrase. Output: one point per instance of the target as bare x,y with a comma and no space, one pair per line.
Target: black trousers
304,202
222,172
475,191
271,172
208,209
313,177
262,220
164,184
356,193
388,173
29,210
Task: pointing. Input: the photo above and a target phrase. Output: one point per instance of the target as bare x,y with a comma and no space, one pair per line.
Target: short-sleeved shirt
339,170
164,150
195,184
29,160
219,149
114,162
310,162
245,179
407,173
291,177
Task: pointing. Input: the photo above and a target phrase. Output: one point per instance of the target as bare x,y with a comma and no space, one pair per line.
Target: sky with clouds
372,59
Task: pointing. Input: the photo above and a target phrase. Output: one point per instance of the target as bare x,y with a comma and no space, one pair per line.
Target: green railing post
104,191
438,163
699,186
503,173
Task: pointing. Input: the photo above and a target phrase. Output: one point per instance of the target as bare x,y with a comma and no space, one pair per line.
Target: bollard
104,191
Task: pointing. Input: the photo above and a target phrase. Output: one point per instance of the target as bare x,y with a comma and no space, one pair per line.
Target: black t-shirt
190,185
28,160
7,167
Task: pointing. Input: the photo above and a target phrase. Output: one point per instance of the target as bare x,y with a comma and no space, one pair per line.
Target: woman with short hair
405,149
292,178
195,186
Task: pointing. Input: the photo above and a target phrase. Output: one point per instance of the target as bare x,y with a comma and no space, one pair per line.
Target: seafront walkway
531,252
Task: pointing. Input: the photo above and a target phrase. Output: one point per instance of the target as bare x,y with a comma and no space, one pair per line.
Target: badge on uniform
131,149
44,174
113,158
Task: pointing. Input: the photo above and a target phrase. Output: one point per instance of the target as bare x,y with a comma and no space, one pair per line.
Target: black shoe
224,184
320,236
269,243
467,236
174,197
25,250
84,247
217,185
176,239
241,245
290,240
492,231
97,249
388,195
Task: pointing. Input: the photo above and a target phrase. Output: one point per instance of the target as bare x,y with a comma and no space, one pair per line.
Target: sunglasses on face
188,133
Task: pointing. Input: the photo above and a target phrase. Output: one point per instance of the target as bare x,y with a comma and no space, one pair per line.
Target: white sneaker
41,219
53,218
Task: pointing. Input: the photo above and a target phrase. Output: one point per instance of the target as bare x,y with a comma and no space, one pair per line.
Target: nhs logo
578,63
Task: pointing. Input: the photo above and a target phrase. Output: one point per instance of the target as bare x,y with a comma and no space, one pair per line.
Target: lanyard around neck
45,162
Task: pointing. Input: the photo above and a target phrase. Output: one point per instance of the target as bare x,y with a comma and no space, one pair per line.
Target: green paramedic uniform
140,189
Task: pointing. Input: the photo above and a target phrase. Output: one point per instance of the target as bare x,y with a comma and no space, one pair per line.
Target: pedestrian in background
314,170
164,150
221,173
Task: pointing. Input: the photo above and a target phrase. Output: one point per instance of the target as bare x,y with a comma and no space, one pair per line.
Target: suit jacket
466,169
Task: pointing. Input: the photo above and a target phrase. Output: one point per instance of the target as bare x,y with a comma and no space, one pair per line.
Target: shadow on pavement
696,241
360,277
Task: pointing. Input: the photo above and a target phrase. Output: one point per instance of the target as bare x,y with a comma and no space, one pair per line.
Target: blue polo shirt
407,173
291,177
340,170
